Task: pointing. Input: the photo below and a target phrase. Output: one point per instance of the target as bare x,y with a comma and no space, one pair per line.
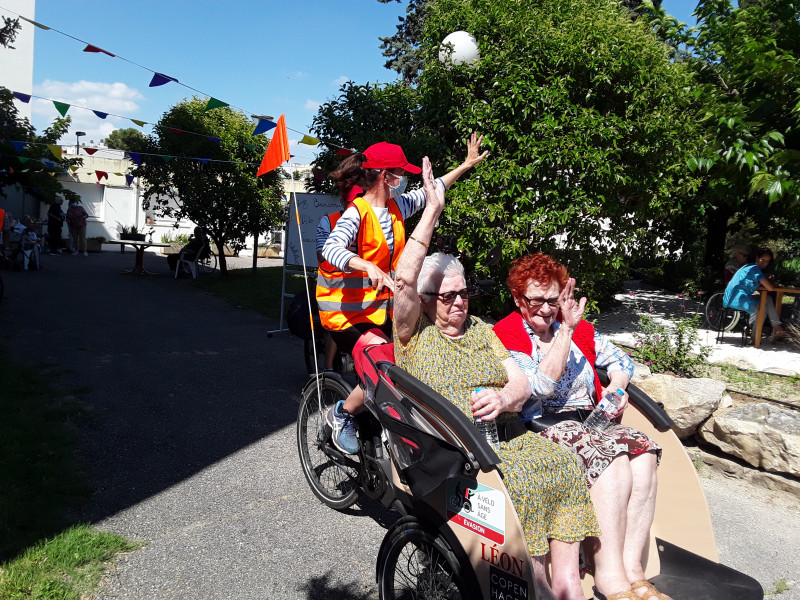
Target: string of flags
159,79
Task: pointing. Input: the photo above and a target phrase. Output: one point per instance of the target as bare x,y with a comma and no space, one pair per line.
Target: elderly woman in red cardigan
558,351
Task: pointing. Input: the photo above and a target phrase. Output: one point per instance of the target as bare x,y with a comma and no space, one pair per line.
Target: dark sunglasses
450,297
537,303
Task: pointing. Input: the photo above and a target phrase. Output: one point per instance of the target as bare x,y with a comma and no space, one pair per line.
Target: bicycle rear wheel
333,476
716,315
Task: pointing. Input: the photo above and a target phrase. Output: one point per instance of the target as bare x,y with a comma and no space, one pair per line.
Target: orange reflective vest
346,299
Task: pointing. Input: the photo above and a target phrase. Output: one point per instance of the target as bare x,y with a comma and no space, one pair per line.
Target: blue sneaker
344,429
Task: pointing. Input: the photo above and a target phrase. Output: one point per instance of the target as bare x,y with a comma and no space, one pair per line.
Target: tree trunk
255,252
223,266
716,233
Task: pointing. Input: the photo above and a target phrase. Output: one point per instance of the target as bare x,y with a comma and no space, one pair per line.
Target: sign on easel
303,243
312,207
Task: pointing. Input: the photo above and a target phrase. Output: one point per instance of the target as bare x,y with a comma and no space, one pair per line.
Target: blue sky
265,57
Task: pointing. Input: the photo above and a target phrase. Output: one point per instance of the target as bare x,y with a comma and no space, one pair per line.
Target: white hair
435,268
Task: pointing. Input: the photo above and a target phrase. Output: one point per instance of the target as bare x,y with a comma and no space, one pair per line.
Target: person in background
76,220
355,301
742,254
739,295
195,245
55,222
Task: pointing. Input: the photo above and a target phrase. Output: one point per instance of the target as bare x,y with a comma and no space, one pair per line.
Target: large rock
640,372
688,401
764,435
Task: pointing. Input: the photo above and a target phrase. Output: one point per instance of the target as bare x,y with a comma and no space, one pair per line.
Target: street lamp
78,135
260,117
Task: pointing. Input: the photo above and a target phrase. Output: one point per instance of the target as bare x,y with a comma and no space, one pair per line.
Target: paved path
189,443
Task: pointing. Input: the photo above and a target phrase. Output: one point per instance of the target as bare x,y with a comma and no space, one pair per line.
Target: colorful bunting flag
18,146
39,25
166,158
176,131
128,180
102,115
263,126
161,79
91,48
278,150
344,152
138,122
90,151
61,107
101,175
22,97
23,159
135,157
214,103
216,140
56,150
307,139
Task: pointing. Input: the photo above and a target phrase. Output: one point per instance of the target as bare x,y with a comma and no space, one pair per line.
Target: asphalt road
188,442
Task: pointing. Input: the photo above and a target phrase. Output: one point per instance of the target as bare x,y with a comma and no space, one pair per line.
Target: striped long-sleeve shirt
342,244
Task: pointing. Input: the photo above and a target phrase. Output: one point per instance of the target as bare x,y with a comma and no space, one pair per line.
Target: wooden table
762,308
138,267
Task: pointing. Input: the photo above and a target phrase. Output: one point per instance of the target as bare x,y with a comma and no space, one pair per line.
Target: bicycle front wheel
333,476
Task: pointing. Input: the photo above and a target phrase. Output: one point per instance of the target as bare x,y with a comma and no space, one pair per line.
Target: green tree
124,139
223,194
746,62
8,32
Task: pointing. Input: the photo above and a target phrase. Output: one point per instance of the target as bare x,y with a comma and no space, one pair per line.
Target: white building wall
16,65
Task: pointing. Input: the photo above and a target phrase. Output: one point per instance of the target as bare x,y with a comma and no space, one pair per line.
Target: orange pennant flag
278,150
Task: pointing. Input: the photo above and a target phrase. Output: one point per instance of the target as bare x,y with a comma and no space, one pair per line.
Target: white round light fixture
459,48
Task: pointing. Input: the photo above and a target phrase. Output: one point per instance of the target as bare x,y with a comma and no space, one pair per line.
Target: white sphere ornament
459,48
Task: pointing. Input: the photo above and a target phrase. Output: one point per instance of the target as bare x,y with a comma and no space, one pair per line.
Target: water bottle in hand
603,414
488,429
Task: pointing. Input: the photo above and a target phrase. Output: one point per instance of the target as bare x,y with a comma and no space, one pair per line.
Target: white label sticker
477,507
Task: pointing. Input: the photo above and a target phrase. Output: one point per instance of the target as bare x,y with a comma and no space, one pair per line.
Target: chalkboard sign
312,207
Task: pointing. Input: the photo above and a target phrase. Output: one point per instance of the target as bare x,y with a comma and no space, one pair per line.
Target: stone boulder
762,434
640,372
688,401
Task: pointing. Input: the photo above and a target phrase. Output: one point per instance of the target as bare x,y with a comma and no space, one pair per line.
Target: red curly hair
538,267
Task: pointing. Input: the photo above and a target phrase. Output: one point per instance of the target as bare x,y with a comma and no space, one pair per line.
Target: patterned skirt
595,450
548,492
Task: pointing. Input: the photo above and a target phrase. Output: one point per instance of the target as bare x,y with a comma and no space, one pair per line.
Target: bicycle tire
419,564
334,483
714,313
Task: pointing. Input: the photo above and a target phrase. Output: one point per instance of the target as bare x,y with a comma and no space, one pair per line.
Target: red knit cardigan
511,332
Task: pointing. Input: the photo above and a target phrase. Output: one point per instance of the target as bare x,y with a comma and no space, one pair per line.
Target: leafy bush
669,348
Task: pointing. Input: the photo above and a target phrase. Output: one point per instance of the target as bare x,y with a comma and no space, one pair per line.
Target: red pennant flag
100,175
90,48
278,150
344,152
176,131
90,151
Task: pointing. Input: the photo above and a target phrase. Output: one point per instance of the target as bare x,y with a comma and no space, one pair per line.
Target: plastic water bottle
488,429
603,414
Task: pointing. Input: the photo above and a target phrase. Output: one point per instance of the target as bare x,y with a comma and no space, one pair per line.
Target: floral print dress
543,480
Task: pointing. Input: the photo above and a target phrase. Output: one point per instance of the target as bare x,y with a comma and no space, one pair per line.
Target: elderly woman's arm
406,298
488,404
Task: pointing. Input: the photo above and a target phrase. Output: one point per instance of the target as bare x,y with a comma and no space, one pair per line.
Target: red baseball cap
384,155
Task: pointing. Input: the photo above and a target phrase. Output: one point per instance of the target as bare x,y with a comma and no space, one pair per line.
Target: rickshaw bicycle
458,535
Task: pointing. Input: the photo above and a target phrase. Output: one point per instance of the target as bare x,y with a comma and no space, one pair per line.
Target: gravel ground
189,444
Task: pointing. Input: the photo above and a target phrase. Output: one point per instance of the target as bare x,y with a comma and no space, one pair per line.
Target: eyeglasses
450,297
537,303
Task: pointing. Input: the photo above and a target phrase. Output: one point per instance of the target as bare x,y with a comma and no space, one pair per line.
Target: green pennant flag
61,107
214,103
23,159
166,158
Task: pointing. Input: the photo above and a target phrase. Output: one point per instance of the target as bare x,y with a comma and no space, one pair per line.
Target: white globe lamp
459,48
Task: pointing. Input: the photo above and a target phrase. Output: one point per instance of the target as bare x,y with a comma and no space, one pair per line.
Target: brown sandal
626,595
651,593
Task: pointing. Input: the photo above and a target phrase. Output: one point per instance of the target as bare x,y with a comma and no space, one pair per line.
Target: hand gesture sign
473,151
571,311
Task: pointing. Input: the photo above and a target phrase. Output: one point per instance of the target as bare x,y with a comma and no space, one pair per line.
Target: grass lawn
41,556
260,292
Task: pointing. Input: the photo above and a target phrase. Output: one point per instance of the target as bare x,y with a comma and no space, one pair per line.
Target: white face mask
397,190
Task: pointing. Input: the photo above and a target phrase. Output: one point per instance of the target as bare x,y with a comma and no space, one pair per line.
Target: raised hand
434,195
473,151
571,311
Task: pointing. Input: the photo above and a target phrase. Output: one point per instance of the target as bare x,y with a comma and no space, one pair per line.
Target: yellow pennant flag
56,150
307,139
